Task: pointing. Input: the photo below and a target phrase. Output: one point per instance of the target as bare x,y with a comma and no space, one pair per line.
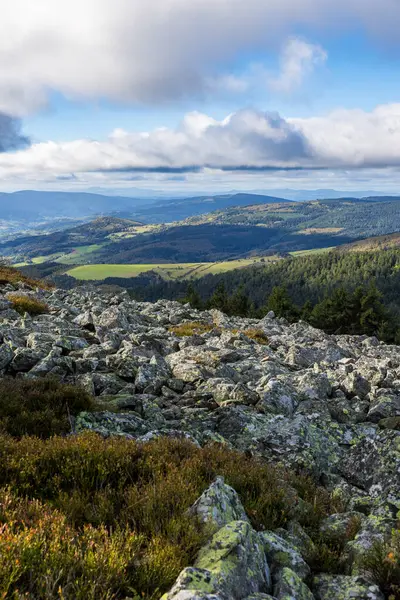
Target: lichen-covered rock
338,527
289,586
281,554
6,355
152,376
279,397
219,505
384,407
342,587
356,385
196,584
236,557
107,423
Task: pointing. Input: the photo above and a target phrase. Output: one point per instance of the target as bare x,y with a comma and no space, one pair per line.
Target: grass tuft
257,335
190,328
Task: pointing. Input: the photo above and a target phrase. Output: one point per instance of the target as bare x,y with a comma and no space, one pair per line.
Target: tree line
361,312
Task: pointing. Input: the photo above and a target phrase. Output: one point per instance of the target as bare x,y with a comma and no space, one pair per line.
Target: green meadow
167,271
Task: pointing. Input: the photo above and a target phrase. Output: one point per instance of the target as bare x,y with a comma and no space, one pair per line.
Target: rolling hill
380,242
238,232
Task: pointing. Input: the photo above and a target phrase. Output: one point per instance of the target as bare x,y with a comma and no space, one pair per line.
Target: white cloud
243,141
158,50
299,59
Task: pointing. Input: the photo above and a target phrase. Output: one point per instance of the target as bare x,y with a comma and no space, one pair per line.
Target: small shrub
44,557
382,562
41,407
190,328
326,557
32,306
257,335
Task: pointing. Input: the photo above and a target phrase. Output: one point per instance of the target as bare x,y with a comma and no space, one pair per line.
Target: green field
314,251
166,271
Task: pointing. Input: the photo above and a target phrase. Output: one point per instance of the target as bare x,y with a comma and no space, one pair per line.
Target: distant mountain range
288,193
33,206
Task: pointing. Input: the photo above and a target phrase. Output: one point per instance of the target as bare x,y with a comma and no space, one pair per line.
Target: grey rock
236,557
281,554
289,585
219,505
327,587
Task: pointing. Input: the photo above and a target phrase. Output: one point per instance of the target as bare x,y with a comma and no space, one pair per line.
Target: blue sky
114,91
357,74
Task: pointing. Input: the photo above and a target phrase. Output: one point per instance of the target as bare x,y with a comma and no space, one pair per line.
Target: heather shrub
42,556
382,562
95,480
26,304
190,328
127,505
13,276
41,407
255,334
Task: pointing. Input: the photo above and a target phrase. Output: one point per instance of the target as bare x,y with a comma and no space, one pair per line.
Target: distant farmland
166,271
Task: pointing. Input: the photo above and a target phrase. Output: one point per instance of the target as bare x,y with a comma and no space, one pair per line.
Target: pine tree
193,297
239,303
373,312
280,302
219,299
306,311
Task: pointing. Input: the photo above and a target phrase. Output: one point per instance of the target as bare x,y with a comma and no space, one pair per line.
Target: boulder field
290,394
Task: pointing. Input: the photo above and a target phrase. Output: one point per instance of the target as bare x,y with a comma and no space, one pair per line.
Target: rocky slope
329,405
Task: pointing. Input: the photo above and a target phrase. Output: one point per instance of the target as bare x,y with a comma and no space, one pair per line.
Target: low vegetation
40,407
27,304
13,276
257,335
80,514
382,561
190,328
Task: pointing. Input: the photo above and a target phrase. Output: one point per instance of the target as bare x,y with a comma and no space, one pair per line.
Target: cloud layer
158,50
244,141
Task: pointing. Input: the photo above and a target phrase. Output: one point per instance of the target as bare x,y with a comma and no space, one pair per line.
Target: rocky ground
329,405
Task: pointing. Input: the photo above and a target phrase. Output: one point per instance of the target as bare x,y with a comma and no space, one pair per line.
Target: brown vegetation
190,328
85,511
41,407
26,304
13,276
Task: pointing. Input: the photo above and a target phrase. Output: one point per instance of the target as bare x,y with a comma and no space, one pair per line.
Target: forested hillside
228,234
355,292
306,278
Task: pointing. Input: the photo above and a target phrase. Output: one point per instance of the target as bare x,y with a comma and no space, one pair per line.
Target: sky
205,95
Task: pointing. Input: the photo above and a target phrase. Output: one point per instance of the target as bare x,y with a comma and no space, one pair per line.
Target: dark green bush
40,407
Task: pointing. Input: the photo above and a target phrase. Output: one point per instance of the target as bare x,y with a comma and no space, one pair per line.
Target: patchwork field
166,271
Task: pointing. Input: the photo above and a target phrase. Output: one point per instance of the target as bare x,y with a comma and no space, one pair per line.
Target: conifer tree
219,299
281,303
